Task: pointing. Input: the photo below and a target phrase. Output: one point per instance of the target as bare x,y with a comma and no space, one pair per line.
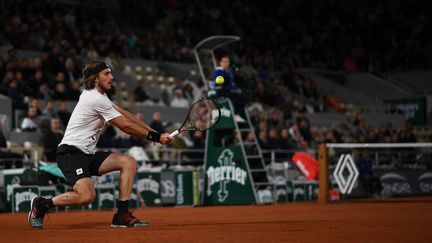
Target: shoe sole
30,213
132,226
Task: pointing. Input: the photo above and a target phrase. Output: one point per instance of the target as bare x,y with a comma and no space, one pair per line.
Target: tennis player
77,157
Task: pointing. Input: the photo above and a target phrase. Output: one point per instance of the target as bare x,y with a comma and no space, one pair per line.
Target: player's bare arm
132,117
132,126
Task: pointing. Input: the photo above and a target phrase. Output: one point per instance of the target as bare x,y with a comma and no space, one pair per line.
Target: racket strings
202,116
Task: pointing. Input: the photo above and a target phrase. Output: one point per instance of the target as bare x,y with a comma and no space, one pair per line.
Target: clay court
395,220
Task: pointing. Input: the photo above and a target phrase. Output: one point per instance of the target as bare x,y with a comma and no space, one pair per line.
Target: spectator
350,64
52,139
285,140
29,123
60,92
306,133
255,118
156,122
273,139
6,80
8,158
49,109
330,137
361,130
140,94
370,182
179,100
15,94
123,141
75,91
71,73
287,107
262,139
63,113
35,104
3,142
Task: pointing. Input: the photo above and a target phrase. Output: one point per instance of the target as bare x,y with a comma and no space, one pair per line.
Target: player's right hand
165,138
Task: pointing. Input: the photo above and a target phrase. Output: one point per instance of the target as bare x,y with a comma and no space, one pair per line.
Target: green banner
10,178
134,201
105,197
22,196
186,188
227,180
413,108
149,187
47,191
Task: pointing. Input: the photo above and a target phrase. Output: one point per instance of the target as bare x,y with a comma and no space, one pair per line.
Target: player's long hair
89,80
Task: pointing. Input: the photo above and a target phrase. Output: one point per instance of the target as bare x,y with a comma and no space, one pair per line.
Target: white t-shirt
87,120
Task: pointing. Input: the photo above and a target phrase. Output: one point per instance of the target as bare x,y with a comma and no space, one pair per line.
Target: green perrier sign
227,179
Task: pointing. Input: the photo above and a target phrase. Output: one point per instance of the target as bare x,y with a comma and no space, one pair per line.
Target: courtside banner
149,187
9,179
22,196
226,179
186,191
399,183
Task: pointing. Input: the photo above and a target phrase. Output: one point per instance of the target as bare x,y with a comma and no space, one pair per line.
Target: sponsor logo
346,184
226,172
302,167
14,182
409,109
394,183
21,197
394,176
427,175
79,171
148,184
180,196
168,188
224,112
426,182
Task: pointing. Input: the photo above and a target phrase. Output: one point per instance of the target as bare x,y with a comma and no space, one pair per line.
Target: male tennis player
77,157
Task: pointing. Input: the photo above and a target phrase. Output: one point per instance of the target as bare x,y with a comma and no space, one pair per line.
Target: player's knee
87,198
130,163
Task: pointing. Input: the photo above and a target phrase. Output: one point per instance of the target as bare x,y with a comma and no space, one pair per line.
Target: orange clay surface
392,220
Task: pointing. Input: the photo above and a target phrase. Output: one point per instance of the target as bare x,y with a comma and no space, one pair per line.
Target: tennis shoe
127,220
36,214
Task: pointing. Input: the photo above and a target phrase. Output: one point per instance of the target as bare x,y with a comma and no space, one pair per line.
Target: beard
104,87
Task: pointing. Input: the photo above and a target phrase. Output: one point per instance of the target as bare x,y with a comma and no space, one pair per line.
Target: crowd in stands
365,35
352,36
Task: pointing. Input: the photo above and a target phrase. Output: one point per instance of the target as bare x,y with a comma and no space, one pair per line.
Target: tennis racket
203,114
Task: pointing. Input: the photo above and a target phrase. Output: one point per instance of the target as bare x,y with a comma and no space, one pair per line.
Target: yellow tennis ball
219,80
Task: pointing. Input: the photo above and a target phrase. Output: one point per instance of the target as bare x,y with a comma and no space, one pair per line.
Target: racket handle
174,133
